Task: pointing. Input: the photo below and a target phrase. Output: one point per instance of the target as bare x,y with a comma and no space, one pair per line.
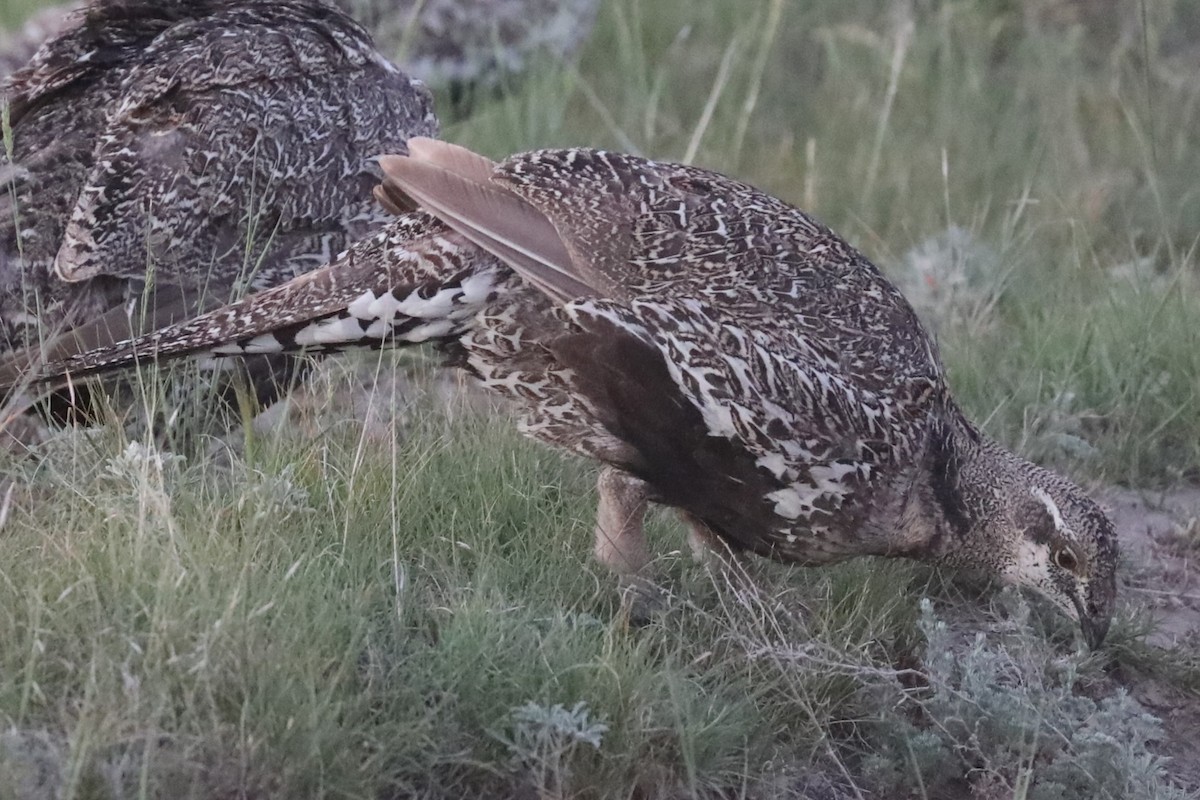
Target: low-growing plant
999,714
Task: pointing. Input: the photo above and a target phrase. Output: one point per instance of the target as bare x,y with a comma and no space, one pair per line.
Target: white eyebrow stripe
1040,494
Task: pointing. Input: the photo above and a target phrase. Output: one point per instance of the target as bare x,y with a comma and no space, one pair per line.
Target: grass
342,626
411,610
15,11
1068,169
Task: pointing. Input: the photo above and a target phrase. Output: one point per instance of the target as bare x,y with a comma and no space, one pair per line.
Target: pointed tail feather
392,288
453,158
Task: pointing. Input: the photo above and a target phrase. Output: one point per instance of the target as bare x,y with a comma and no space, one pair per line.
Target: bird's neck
954,489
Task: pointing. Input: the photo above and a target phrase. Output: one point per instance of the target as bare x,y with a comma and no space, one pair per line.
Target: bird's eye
1065,559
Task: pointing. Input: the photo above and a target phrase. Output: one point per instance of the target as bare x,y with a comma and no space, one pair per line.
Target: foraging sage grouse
718,350
167,154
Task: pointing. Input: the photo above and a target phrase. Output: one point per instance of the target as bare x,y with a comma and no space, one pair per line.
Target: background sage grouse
166,155
718,350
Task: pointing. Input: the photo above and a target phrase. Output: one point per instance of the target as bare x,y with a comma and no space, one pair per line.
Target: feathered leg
620,543
620,537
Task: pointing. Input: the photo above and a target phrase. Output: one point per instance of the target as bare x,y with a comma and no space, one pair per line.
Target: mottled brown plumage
169,155
717,349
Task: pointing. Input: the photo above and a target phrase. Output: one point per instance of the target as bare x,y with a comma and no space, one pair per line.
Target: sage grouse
718,350
167,154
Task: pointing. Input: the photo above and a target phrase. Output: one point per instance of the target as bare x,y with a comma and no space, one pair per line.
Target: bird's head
1054,539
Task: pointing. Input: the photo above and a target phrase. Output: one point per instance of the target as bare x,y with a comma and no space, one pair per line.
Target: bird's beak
1094,630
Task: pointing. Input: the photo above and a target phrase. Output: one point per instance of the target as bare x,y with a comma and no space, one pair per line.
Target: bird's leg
707,546
621,543
620,537
713,552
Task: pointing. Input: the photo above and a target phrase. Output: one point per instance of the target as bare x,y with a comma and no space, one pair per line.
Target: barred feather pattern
781,335
505,351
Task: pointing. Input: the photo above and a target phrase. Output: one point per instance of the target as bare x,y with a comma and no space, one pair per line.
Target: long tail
422,277
414,281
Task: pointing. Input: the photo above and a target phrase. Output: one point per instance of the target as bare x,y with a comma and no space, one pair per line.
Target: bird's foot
642,601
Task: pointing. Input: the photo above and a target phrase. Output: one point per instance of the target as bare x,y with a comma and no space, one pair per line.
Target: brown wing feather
455,158
392,200
490,216
452,157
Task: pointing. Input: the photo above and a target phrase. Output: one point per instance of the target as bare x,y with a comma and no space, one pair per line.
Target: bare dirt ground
1160,539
